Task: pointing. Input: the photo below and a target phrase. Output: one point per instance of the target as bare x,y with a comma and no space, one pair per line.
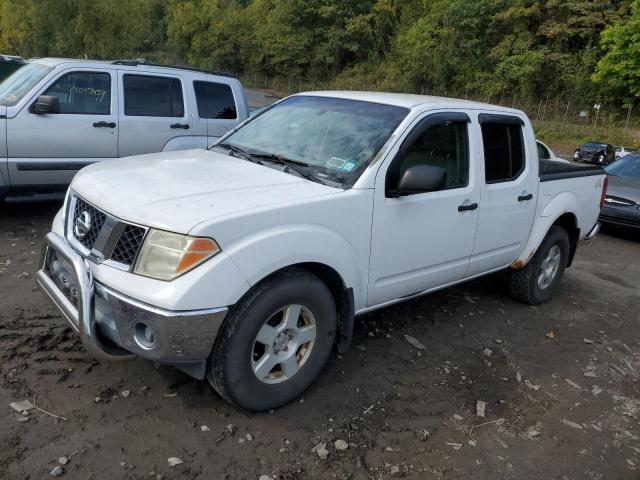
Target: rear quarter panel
579,196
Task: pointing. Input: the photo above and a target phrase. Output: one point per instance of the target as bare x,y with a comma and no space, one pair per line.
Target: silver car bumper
113,326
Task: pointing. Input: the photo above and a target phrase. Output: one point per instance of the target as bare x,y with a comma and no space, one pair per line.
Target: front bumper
113,326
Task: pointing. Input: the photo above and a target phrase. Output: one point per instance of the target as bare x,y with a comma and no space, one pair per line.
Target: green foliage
619,68
524,48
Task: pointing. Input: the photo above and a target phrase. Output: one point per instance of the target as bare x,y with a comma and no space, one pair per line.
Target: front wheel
274,342
539,279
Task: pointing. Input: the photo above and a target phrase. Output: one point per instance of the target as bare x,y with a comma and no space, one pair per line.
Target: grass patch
565,138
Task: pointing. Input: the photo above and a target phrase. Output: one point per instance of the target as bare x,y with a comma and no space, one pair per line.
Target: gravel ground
559,381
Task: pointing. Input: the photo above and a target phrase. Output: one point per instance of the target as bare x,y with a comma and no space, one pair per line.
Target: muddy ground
560,382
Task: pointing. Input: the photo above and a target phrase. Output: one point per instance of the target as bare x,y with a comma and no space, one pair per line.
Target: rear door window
84,93
503,150
215,100
151,96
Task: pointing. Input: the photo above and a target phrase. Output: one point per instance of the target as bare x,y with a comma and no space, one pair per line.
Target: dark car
622,203
8,65
595,152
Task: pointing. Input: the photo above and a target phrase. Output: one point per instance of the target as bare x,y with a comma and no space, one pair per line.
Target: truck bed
550,170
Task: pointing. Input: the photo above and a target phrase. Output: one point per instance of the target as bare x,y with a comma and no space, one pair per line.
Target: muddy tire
539,279
274,342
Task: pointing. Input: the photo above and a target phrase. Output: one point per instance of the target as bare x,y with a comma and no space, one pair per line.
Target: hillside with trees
525,49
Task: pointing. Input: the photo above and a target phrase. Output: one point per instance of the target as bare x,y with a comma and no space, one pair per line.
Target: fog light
144,336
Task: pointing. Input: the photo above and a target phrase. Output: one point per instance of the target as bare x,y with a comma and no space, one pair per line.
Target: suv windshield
628,166
329,139
21,82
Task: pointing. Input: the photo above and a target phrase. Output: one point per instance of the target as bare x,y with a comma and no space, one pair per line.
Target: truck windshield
331,139
21,82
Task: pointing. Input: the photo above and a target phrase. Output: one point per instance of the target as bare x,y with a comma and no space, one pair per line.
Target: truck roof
411,101
55,62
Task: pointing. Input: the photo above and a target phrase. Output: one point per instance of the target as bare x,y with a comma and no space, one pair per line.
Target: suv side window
84,93
443,145
149,96
215,100
503,149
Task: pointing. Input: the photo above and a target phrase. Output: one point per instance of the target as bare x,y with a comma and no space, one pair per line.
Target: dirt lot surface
560,383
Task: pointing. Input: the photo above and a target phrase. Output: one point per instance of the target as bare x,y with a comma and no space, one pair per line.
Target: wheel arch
342,295
569,222
566,220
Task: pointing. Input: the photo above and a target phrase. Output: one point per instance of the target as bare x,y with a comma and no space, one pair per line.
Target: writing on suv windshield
331,139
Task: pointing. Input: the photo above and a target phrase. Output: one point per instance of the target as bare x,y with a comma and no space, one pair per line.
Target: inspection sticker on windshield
340,164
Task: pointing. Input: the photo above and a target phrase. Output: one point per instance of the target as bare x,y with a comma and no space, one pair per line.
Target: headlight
166,255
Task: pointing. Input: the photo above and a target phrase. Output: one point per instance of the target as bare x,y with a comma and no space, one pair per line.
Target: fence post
626,124
515,96
566,112
539,107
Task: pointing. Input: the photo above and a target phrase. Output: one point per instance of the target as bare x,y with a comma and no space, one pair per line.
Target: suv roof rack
141,61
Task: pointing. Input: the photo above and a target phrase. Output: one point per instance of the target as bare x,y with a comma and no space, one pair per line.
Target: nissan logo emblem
82,225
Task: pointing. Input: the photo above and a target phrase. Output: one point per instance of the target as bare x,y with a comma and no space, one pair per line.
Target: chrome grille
129,243
97,219
101,237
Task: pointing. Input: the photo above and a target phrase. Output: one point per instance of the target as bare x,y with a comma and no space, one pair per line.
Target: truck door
424,240
508,192
154,114
48,149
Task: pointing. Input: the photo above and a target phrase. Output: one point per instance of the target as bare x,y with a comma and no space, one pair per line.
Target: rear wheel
539,279
274,342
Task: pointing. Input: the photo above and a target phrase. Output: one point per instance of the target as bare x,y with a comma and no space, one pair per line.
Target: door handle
524,198
466,208
104,125
184,126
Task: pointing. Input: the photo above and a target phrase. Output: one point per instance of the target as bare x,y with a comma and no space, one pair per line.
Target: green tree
619,68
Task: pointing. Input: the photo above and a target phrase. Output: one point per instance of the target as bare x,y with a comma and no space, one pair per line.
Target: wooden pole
566,112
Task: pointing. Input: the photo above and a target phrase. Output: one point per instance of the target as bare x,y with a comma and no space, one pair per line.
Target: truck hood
624,187
176,191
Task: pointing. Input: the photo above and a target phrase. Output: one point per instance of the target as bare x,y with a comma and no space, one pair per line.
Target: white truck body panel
382,248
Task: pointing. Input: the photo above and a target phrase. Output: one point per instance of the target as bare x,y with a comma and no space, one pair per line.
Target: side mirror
46,104
421,178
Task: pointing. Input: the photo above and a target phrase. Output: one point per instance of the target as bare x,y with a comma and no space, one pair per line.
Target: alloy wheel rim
549,267
283,344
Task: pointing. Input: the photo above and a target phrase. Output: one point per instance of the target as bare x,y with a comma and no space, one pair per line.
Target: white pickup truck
247,263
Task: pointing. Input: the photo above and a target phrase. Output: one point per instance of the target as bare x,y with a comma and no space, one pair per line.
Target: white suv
58,115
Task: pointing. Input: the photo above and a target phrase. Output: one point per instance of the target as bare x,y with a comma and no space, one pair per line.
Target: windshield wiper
236,151
290,164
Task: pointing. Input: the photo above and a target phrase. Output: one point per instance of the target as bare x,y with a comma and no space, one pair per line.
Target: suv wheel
274,342
539,279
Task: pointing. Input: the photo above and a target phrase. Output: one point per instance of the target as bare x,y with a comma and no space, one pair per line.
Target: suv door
48,149
154,114
216,109
423,240
508,193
